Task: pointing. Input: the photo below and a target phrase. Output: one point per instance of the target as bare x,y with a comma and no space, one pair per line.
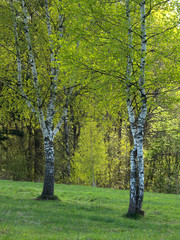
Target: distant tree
89,160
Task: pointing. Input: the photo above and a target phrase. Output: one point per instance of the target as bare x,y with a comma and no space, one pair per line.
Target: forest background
86,48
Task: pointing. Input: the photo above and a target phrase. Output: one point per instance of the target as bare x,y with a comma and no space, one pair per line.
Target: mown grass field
84,213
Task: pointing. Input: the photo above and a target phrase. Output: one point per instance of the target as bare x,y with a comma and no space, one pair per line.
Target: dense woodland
73,75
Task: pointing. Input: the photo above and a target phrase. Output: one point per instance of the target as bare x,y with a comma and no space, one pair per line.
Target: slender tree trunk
75,129
143,111
48,188
46,126
133,183
137,125
37,107
140,161
133,173
30,156
39,156
66,135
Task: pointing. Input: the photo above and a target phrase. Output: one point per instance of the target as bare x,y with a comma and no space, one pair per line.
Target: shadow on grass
61,214
44,197
68,217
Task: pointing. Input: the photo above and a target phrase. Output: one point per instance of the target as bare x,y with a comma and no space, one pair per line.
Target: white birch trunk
132,120
33,69
18,58
54,71
31,55
48,189
137,127
143,112
46,124
49,133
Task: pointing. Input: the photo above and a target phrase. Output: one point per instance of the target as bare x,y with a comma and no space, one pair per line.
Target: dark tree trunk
30,154
66,139
48,188
39,155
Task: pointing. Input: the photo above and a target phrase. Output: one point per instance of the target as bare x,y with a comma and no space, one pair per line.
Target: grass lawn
84,213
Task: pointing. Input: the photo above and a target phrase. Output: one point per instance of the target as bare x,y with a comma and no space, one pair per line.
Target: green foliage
2,137
21,156
163,153
89,162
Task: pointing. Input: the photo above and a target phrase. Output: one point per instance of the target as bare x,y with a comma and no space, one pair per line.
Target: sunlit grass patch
83,213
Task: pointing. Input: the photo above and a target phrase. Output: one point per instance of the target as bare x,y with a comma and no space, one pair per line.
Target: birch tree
113,42
111,49
136,124
44,113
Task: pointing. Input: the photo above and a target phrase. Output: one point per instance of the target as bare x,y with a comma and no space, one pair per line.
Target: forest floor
84,213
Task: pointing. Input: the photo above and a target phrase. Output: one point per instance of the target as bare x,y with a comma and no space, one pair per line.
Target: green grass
84,213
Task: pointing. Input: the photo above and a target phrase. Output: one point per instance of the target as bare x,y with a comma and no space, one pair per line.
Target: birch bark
137,125
143,112
18,59
132,120
46,123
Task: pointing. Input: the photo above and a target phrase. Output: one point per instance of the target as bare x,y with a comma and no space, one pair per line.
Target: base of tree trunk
136,215
45,197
